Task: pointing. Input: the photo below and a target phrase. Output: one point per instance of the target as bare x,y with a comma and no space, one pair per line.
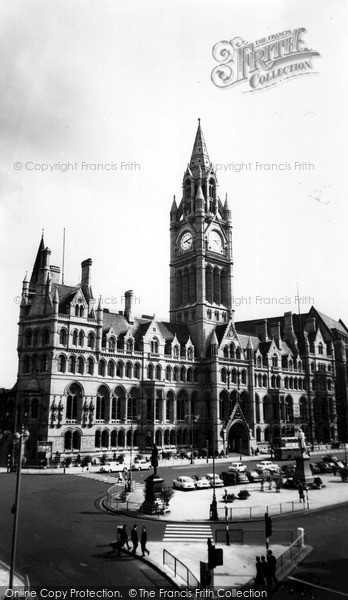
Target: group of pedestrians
266,571
122,541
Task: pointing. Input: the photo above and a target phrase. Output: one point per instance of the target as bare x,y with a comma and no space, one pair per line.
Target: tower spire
37,264
199,156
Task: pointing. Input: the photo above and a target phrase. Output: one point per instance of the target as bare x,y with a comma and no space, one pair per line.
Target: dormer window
154,346
176,351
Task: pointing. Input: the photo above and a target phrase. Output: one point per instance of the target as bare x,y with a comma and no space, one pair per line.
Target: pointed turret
25,286
214,345
199,200
199,156
173,210
56,302
37,265
227,210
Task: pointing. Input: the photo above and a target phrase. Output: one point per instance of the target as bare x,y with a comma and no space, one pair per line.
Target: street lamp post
213,506
193,420
129,487
21,438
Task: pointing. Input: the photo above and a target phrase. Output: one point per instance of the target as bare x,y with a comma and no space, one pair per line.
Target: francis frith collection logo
264,63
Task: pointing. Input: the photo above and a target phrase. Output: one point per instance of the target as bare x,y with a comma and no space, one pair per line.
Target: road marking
320,587
182,532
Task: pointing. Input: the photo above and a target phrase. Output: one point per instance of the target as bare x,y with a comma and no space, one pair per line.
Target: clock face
215,242
186,240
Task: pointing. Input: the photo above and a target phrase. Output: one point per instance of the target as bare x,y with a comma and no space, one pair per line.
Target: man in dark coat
143,541
266,572
134,539
272,565
260,577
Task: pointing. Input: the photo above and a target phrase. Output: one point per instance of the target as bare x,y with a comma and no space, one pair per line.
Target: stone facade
91,381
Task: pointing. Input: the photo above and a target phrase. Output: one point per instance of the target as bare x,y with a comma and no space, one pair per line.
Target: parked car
201,483
287,471
267,464
184,483
314,468
229,478
328,458
237,466
242,478
112,467
324,467
36,463
141,465
253,476
218,481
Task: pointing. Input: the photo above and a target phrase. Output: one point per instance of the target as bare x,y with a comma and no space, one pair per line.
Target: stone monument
153,486
303,474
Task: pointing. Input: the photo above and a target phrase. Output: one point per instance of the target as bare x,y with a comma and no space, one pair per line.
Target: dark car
315,468
328,458
287,471
324,467
229,478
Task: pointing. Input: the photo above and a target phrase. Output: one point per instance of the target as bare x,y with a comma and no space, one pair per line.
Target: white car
267,465
218,481
112,467
141,465
184,483
202,483
237,466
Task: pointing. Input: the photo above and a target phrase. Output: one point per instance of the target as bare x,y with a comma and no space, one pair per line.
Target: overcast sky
112,82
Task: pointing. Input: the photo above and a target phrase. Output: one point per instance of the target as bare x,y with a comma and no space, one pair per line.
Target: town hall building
91,381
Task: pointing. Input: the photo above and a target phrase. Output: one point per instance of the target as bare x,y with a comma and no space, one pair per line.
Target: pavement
190,510
188,526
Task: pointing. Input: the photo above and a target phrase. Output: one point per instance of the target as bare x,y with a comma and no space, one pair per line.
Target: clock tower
201,263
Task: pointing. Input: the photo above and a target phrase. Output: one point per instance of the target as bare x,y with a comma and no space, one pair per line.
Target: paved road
63,534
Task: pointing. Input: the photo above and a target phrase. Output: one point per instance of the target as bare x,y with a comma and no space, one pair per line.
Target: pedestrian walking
301,492
266,572
272,567
260,578
124,537
143,541
134,539
334,469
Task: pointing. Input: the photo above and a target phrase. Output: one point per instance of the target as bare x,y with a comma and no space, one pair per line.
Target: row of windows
36,337
117,408
119,369
121,439
233,376
109,344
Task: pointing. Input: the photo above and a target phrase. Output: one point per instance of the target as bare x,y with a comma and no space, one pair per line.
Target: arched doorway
238,438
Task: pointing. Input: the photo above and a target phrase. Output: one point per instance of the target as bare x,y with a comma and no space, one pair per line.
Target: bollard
300,535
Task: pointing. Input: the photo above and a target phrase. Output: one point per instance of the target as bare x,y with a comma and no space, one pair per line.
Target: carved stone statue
302,442
154,459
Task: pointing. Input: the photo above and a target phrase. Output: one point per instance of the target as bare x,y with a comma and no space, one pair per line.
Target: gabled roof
332,323
66,294
118,322
169,330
